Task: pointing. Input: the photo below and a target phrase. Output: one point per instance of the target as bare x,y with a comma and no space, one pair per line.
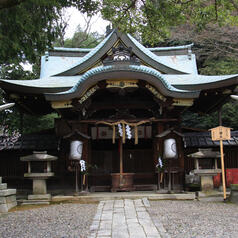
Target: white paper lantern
76,148
170,149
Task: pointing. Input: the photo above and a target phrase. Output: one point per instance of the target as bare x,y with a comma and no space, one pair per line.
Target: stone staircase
7,197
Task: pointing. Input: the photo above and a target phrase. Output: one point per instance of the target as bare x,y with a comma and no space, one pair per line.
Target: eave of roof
201,82
62,83
181,47
134,71
204,140
63,49
42,85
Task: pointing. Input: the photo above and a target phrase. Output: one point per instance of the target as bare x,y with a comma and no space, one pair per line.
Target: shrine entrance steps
102,196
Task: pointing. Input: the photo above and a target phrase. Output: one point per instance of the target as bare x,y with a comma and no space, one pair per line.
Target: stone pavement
125,219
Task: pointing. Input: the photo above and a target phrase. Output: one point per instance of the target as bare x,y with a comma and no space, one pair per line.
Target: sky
76,18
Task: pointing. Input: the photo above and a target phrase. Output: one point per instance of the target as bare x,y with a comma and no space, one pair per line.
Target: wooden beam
93,121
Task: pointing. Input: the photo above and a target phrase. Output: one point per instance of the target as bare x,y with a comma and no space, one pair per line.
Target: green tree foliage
81,39
153,19
29,27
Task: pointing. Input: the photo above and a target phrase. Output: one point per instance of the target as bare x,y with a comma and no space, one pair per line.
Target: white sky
76,18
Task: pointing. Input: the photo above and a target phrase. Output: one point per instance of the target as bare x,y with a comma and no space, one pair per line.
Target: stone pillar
7,197
207,183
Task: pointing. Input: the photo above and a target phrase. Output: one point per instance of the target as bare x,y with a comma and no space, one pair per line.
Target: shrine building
124,102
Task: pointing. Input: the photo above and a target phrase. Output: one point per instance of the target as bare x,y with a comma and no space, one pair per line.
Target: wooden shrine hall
124,102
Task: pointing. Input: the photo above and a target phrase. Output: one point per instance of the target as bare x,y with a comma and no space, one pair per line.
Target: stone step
7,192
35,202
3,186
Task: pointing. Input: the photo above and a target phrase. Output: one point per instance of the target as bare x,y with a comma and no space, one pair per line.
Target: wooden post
121,156
223,170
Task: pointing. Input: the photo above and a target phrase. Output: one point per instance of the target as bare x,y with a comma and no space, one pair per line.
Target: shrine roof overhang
166,64
201,82
121,72
40,86
56,84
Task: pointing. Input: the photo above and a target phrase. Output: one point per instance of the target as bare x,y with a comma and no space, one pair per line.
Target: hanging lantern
170,149
76,149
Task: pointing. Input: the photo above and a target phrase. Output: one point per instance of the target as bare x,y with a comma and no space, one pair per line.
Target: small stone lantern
204,169
39,170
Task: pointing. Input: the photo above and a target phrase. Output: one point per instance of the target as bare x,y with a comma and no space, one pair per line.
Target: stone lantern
39,170
206,166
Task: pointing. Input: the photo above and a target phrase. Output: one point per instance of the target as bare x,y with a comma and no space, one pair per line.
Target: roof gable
167,64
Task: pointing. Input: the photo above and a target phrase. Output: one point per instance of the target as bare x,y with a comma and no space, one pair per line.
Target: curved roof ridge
154,57
87,56
68,49
180,47
157,74
78,89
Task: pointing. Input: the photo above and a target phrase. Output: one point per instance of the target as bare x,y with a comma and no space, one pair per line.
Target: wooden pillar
157,145
121,155
158,142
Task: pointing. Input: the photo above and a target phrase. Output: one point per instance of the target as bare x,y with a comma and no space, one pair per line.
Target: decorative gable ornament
121,54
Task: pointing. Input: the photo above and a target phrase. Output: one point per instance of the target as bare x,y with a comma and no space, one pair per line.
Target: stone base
207,183
7,206
35,202
234,193
7,197
39,197
3,186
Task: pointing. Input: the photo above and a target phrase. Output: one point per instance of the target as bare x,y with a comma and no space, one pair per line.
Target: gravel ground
194,219
55,221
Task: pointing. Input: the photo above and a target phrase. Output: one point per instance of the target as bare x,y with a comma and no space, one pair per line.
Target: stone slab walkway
125,219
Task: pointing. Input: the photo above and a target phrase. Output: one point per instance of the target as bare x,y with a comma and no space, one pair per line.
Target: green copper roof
172,64
152,76
195,82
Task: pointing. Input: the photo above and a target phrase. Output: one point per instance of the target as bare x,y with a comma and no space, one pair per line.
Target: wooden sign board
221,133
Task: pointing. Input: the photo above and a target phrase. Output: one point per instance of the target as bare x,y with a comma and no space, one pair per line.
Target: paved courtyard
124,218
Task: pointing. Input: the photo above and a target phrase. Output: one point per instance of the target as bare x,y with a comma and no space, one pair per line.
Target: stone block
11,205
39,186
35,202
7,206
0,179
39,197
7,192
3,186
207,183
3,208
8,199
234,193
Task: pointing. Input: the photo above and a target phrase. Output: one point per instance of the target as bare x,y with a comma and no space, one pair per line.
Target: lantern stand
76,178
170,150
76,149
